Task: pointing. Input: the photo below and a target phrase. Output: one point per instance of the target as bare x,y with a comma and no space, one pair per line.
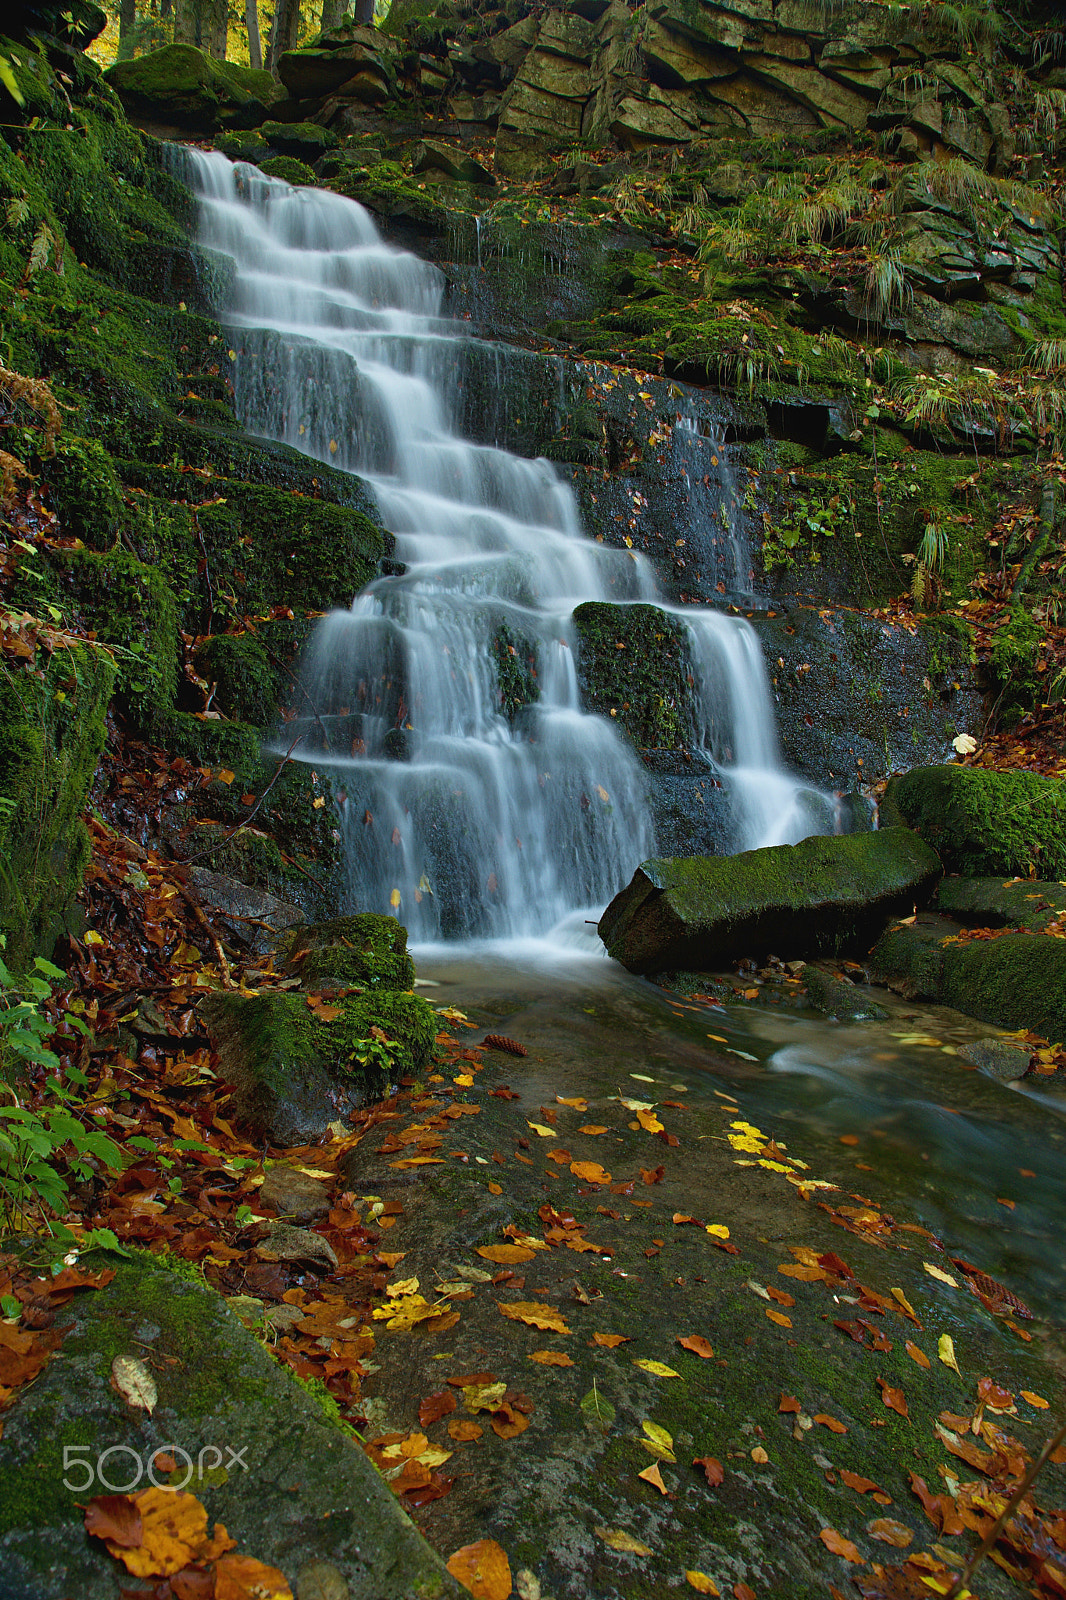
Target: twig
226,837
962,1582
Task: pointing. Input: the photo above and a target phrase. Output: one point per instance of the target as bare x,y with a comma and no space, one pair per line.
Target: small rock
1000,1058
279,1319
293,1194
285,1243
320,1580
247,1307
837,997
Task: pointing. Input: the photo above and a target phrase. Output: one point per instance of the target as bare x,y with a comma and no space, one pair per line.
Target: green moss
83,491
981,822
52,728
1013,658
184,85
303,139
129,605
633,668
516,670
244,683
288,169
384,187
368,951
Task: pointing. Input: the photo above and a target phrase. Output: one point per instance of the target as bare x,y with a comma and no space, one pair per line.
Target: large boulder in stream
981,822
822,895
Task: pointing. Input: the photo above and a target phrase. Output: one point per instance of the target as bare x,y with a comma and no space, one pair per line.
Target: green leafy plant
44,1147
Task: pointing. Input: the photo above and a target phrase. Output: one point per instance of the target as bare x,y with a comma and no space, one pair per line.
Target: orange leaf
698,1345
534,1315
464,1432
916,1354
651,1175
780,1296
840,1546
589,1172
244,1578
506,1255
830,1422
551,1358
653,1476
561,1158
712,1468
890,1532
482,1568
435,1406
788,1402
895,1399
780,1318
853,1481
593,1129
608,1341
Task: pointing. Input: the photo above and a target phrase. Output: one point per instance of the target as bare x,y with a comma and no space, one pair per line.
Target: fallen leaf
464,1432
616,1539
854,1481
701,1583
609,1341
597,1409
653,1476
945,1349
698,1345
890,1532
578,1103
243,1577
789,1403
780,1318
541,1131
650,1175
942,1277
893,1398
435,1406
589,1172
483,1568
534,1315
114,1517
593,1129
1034,1399
505,1255
759,1456
551,1358
658,1442
917,1355
649,1122
839,1546
829,1422
562,1158
656,1368
713,1470
134,1383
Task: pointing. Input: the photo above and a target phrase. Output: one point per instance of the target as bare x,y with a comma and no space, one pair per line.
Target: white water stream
462,823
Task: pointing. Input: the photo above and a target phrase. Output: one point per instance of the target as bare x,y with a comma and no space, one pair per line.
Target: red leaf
115,1517
435,1406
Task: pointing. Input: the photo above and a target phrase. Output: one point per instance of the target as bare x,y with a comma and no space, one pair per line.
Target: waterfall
460,820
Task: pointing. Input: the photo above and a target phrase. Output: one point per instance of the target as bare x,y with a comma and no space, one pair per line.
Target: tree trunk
187,28
216,28
285,32
251,20
127,19
364,11
332,12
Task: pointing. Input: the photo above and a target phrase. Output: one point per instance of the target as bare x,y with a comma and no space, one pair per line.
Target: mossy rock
264,1452
365,951
130,605
52,730
245,685
1028,903
183,86
248,145
289,170
981,822
633,668
821,896
294,1073
84,491
1015,981
305,140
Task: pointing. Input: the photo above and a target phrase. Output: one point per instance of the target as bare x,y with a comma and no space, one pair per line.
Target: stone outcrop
983,822
822,895
182,89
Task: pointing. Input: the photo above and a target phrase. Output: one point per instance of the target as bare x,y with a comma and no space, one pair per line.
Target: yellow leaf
1034,1399
482,1568
589,1172
657,1368
405,1286
946,1351
719,1230
658,1442
465,1080
617,1539
942,1277
505,1255
578,1104
92,937
534,1315
316,805
540,1130
649,1122
394,898
701,1583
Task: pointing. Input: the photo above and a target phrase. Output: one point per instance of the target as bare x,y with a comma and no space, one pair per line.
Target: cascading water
462,822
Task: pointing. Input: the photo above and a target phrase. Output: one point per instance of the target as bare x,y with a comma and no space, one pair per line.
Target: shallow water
938,1143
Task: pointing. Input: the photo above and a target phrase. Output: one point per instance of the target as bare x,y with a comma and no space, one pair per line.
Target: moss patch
368,951
633,668
981,822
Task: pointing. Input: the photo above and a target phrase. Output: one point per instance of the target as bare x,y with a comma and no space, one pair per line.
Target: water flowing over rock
462,821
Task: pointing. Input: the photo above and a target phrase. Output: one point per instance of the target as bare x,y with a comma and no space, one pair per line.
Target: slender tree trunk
186,22
255,47
332,12
127,19
364,11
285,32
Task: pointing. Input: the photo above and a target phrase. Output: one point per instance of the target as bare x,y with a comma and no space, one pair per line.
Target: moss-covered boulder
1029,904
289,170
304,140
822,895
982,822
1015,981
262,1453
297,1064
633,667
366,951
180,86
52,728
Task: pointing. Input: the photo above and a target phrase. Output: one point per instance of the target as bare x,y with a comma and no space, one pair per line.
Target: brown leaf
650,1175
464,1432
698,1345
653,1476
830,1422
916,1354
890,1532
895,1399
854,1481
482,1568
551,1358
435,1406
533,1315
839,1546
712,1469
507,1422
472,1380
114,1517
609,1341
788,1402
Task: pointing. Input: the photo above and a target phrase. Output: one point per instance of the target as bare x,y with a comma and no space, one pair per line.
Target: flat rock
998,1057
837,997
808,899
251,915
294,1195
295,1488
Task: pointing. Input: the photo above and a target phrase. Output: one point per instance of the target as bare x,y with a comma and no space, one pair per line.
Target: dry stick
226,837
963,1580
